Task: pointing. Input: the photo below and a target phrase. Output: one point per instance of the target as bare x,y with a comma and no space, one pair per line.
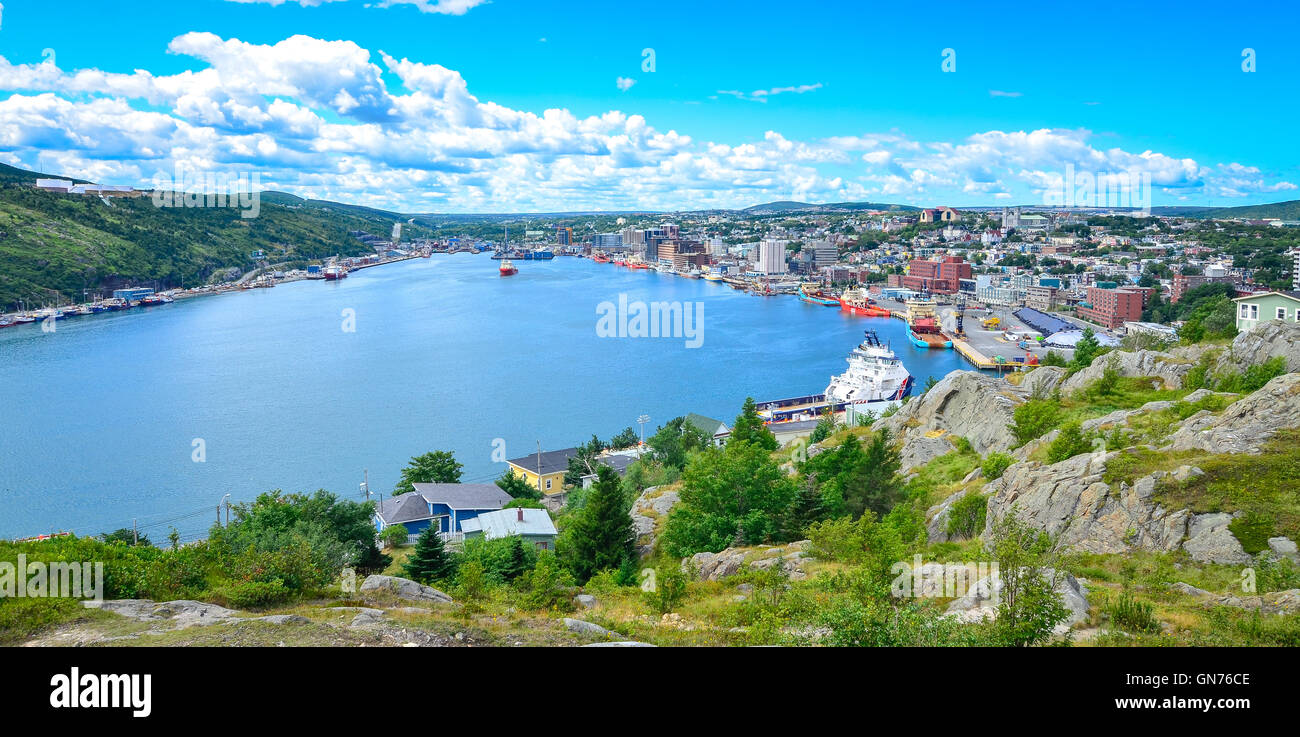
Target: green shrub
669,589
1132,615
1252,530
254,594
1068,444
1034,419
393,535
20,618
966,516
995,464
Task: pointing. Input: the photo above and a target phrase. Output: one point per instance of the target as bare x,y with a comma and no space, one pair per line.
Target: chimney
521,513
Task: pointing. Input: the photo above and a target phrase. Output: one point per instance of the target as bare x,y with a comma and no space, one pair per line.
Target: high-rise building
1295,272
771,256
563,235
824,253
607,240
1114,307
939,277
716,247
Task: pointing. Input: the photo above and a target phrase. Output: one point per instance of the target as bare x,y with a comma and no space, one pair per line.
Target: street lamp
642,420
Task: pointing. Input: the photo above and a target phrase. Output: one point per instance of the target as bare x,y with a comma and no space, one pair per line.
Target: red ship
508,269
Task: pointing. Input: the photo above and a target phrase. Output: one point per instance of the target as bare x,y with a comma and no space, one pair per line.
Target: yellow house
549,466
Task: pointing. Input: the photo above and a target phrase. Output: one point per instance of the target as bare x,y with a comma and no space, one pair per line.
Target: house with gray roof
447,505
715,430
533,525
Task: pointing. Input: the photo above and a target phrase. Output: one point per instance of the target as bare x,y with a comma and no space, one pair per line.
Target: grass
1264,487
941,477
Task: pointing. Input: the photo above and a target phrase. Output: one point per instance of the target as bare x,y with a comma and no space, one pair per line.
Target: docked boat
334,273
817,297
508,268
856,302
600,258
713,276
7,323
923,325
875,374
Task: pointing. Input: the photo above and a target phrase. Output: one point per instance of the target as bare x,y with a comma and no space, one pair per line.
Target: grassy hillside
54,246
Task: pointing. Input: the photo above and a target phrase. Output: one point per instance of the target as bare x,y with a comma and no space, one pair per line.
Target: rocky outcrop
936,525
1246,424
404,588
1167,367
1042,381
1284,547
648,514
1268,340
981,602
1071,500
179,614
963,404
1274,602
729,562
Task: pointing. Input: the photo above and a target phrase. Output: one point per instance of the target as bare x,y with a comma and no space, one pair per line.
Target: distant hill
1289,210
54,246
784,206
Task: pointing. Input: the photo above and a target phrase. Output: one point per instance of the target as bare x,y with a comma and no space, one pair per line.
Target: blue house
446,505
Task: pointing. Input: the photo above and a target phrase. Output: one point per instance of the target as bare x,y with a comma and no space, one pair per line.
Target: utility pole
642,420
539,467
135,533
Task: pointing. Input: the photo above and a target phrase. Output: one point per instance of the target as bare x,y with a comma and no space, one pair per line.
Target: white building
54,185
771,256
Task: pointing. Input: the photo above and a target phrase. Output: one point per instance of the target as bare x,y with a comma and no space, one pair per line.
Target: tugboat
334,273
856,302
508,268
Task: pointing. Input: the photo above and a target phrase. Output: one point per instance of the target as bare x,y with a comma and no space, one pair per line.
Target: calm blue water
98,418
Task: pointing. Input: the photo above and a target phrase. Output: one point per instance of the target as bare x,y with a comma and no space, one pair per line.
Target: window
548,484
541,546
1254,312
1281,313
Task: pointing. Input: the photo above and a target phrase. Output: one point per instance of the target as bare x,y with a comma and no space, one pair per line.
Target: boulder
621,643
1284,547
1275,602
1042,381
586,601
1190,590
180,614
404,588
1247,424
1266,341
367,617
584,627
729,562
1210,541
936,525
282,619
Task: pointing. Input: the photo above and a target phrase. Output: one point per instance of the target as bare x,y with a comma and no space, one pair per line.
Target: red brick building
938,277
1114,307
1183,282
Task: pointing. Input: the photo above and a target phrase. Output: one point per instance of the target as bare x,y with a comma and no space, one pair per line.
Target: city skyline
473,107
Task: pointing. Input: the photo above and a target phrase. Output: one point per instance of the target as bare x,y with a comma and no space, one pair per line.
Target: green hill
53,246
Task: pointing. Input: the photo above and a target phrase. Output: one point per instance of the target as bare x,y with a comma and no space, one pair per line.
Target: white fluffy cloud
443,7
331,119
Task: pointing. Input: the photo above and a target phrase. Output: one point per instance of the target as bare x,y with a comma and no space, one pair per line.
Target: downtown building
1114,307
937,277
771,256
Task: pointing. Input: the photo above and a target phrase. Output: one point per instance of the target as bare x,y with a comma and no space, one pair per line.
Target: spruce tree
603,535
430,560
749,428
517,562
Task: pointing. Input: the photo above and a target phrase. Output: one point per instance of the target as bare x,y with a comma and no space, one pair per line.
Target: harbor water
152,415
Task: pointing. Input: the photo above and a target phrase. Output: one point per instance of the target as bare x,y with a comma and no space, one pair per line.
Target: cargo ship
817,297
508,268
334,273
923,325
856,302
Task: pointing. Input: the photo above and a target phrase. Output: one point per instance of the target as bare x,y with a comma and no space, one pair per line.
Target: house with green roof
1256,308
716,430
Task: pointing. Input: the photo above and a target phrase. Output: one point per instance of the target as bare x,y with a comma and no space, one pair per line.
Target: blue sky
429,106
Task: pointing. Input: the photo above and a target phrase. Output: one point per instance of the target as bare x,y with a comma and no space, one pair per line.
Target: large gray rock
404,588
1042,381
1283,547
936,525
963,404
717,566
623,643
1071,500
1210,541
1247,424
1267,340
583,627
179,614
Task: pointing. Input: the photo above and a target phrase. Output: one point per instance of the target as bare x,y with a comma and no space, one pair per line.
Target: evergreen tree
749,428
429,561
602,536
808,507
517,562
